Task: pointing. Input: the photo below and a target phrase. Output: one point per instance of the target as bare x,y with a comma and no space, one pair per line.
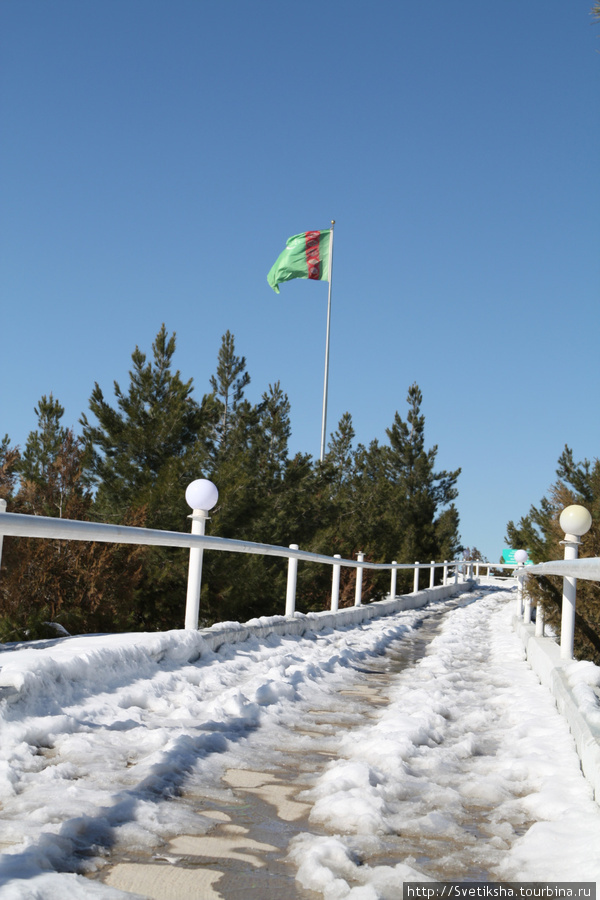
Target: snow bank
573,685
74,661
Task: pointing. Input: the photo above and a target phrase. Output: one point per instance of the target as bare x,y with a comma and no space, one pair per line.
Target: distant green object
508,556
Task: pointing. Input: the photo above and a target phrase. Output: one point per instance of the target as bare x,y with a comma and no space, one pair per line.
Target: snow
467,768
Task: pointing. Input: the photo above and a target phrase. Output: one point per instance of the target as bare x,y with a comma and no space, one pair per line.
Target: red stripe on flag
313,260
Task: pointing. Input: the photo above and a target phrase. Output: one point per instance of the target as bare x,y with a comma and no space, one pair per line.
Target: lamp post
335,585
520,557
201,495
575,521
359,578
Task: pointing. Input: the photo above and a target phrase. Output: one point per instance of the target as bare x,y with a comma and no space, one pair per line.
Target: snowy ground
465,769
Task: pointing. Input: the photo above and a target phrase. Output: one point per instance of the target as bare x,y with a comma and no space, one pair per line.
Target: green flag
306,255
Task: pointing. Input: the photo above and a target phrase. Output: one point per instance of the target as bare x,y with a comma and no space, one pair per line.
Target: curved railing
21,525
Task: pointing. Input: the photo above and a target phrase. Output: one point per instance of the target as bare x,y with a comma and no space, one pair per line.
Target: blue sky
155,156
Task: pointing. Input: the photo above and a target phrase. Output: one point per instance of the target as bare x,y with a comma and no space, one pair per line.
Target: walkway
335,767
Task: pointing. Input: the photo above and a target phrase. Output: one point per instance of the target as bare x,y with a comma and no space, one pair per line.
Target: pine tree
141,456
9,459
46,465
248,449
232,442
43,444
339,450
80,586
140,452
227,402
274,431
394,504
421,494
540,533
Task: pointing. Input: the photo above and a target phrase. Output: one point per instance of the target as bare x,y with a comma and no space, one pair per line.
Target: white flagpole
324,421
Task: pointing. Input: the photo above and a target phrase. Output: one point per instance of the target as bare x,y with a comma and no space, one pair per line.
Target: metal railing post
335,585
567,622
519,594
432,573
201,496
526,599
394,581
359,577
290,596
416,578
575,521
194,585
540,620
445,578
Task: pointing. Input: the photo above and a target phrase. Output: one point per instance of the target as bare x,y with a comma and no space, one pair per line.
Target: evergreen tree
540,533
80,586
232,442
274,431
248,451
369,520
388,500
43,444
428,518
137,456
340,454
141,456
9,458
46,467
140,453
226,402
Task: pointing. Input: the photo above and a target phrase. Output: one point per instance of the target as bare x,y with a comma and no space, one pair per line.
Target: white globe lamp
201,494
575,520
525,611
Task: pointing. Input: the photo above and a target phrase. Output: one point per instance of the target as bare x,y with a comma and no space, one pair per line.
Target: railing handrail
50,528
587,568
25,525
570,569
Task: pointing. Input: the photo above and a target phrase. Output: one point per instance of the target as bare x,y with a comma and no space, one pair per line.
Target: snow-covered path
456,767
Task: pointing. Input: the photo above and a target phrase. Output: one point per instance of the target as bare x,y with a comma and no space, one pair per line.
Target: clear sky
155,156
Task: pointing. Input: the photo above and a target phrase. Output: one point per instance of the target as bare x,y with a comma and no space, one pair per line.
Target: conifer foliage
47,585
540,533
132,462
140,457
139,451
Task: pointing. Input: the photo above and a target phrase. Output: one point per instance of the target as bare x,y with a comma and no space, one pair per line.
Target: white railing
570,570
588,569
21,525
575,518
575,521
492,568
